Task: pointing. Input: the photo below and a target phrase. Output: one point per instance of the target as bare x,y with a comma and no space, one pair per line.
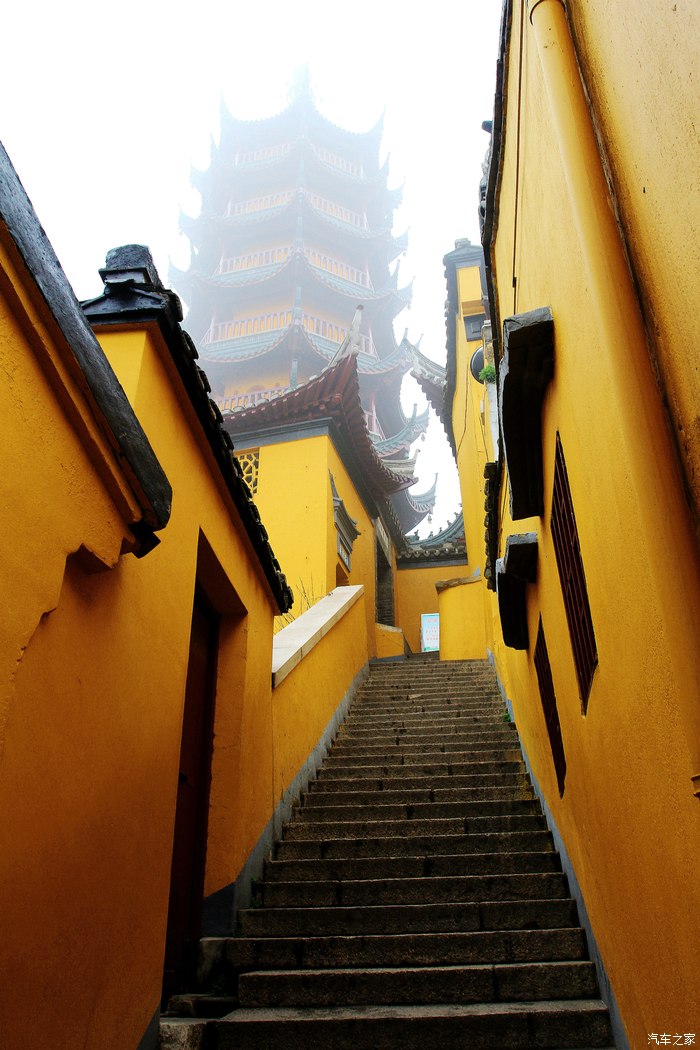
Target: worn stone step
440,700
425,707
409,918
442,767
430,750
359,784
417,811
406,796
425,890
413,949
309,829
414,845
446,984
387,737
482,1026
361,719
410,867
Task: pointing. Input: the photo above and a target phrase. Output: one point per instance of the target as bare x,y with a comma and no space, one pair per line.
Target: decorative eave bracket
513,573
525,370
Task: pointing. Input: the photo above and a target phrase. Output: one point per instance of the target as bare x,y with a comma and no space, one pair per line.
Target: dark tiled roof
134,294
431,378
335,395
448,545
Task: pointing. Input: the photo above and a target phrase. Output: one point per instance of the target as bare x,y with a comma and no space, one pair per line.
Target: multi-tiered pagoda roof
295,232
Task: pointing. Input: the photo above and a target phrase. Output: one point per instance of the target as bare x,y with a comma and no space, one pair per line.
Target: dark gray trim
525,371
430,563
606,990
513,573
150,1040
118,421
134,294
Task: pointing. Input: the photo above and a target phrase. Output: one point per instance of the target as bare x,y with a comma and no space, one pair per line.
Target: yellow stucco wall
416,594
295,500
462,626
389,641
92,691
652,158
628,812
304,702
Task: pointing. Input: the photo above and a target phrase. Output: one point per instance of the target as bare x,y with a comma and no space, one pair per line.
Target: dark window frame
549,707
567,550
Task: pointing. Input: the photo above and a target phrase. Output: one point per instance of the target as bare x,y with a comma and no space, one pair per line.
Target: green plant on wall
488,374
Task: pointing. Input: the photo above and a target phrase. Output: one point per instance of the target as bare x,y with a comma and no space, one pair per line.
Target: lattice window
549,707
250,462
573,580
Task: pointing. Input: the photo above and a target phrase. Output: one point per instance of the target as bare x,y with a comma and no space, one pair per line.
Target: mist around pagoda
294,264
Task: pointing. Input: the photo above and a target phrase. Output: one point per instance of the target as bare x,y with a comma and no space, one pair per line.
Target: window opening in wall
385,587
250,463
572,577
549,707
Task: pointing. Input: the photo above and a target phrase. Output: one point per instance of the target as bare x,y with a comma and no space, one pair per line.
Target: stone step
312,811
442,767
496,1026
448,889
411,719
409,918
408,867
437,826
407,754
409,986
414,845
415,734
359,784
413,949
380,702
409,796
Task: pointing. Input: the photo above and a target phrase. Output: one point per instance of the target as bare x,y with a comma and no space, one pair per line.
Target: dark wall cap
134,294
108,401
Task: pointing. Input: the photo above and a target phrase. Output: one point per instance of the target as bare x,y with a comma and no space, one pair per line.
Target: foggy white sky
104,107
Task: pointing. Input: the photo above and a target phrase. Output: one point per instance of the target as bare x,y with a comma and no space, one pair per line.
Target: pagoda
292,259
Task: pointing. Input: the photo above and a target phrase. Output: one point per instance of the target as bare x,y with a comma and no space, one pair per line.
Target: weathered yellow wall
304,702
389,641
93,713
294,501
416,594
462,627
652,159
628,812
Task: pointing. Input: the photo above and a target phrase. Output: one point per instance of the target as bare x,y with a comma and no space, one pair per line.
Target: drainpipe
654,473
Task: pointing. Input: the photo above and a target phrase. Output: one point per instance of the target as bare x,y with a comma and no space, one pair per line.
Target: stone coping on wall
297,639
458,581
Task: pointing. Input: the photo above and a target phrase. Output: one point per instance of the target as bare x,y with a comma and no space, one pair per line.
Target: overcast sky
105,106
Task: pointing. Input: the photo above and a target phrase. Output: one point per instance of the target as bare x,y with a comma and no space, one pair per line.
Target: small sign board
429,632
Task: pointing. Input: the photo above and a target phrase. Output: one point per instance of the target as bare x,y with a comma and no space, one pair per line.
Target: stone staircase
415,899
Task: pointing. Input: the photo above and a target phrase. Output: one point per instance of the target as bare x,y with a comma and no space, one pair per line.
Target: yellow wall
304,702
389,641
462,627
652,159
295,501
628,811
93,735
462,612
416,594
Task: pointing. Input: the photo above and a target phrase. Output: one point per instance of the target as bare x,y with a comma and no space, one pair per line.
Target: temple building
293,260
